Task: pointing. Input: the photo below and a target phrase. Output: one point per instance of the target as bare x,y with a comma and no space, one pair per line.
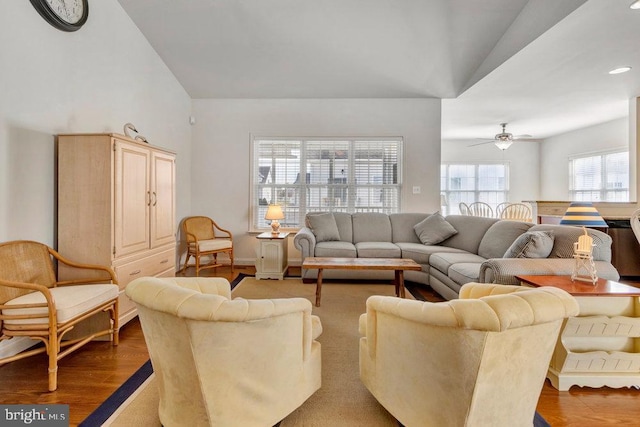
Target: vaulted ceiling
540,65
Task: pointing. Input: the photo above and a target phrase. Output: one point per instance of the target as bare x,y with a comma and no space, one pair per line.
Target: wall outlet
416,189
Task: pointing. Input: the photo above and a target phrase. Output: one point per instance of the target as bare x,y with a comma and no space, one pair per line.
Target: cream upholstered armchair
226,362
34,304
480,360
206,238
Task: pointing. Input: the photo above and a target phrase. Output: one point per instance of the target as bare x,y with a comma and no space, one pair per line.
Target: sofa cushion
500,236
378,250
465,272
532,244
345,226
371,227
471,230
336,249
420,253
324,227
443,260
434,229
402,226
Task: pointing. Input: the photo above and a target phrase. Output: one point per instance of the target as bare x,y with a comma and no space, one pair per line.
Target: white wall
93,80
523,158
555,153
221,147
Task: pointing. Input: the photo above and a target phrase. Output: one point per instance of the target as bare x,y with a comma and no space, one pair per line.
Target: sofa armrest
504,270
305,242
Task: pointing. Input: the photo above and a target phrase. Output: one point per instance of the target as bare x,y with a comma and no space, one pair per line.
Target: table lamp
583,214
274,213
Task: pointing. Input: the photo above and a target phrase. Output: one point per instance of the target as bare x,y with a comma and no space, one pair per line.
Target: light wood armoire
116,207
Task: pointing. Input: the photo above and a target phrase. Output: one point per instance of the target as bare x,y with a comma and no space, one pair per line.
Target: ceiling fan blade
482,143
522,136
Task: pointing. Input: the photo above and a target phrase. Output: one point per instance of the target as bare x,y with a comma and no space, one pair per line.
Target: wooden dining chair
463,208
516,212
500,207
481,209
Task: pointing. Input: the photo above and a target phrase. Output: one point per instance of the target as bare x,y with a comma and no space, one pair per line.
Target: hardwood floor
90,375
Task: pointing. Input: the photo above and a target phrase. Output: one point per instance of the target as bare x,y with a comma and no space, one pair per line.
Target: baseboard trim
16,345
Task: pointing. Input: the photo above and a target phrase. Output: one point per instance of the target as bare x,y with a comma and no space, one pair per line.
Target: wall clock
65,15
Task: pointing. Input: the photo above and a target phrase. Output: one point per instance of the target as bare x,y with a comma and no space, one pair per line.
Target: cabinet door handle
133,273
148,198
164,261
155,198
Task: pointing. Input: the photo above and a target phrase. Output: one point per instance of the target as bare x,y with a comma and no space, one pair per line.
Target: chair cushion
214,245
434,229
70,302
532,244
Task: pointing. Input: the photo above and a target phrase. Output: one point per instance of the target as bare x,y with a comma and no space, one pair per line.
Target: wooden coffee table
598,348
399,265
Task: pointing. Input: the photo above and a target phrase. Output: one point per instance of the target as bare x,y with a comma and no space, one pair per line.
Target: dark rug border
113,402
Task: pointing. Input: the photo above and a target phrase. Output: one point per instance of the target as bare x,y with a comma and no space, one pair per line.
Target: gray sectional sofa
475,253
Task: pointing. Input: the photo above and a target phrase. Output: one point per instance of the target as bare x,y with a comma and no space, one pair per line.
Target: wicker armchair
34,304
202,241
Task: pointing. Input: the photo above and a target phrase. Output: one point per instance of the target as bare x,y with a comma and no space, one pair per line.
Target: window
600,178
329,175
473,182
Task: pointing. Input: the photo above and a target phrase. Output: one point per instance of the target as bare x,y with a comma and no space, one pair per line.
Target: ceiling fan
504,139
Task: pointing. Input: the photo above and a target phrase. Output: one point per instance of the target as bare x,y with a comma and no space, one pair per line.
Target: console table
601,346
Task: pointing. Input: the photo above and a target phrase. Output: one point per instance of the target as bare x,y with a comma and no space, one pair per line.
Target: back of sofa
500,236
471,230
402,226
371,227
565,236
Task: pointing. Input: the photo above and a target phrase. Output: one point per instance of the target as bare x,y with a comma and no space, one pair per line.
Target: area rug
341,401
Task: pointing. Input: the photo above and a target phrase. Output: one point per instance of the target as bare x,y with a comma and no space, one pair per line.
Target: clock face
65,15
70,11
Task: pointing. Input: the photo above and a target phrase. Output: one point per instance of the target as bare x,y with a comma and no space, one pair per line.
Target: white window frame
598,194
308,195
454,197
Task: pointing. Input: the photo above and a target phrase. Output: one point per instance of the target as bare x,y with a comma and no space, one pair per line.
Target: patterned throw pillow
324,227
434,229
532,244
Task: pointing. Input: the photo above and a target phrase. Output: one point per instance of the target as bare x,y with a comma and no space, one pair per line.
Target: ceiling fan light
620,70
503,145
635,5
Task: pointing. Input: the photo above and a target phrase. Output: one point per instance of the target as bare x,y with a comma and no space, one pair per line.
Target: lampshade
503,145
274,212
583,214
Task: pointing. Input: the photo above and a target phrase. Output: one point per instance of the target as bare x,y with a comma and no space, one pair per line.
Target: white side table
599,347
272,259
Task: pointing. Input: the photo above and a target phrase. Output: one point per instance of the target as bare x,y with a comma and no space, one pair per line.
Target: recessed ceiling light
635,5
620,70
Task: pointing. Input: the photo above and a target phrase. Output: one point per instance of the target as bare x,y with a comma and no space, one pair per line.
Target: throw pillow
434,229
324,227
532,244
